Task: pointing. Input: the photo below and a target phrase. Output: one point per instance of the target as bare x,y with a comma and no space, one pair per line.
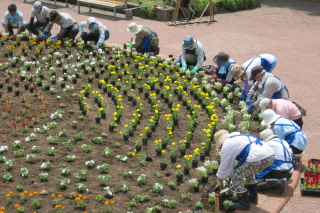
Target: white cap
267,135
37,6
269,117
263,104
133,28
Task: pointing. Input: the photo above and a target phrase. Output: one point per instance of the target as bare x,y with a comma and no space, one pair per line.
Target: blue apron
224,75
192,52
264,63
290,137
241,158
146,41
277,95
276,163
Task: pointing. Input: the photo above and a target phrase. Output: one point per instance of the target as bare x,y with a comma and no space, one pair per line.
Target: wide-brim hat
269,117
53,15
220,137
133,28
267,134
93,26
187,42
255,71
237,71
221,58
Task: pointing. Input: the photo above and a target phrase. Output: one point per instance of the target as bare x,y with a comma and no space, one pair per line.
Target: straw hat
237,71
269,117
133,28
220,137
267,135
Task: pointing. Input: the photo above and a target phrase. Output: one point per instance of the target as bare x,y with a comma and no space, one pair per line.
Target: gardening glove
129,44
194,70
213,81
250,108
55,37
45,34
244,95
218,185
248,102
184,66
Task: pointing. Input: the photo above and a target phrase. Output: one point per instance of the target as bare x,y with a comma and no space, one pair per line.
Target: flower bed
83,130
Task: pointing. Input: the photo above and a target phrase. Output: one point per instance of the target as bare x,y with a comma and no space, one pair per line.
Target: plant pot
98,119
194,164
163,166
202,157
86,94
9,88
158,151
196,188
204,179
175,122
179,178
84,113
103,115
207,152
144,141
63,85
173,159
182,152
138,148
186,171
164,145
125,137
17,93
111,128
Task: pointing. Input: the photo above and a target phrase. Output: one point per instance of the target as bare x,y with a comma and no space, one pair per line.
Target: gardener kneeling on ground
282,107
276,175
42,15
252,154
146,40
192,54
13,19
286,130
98,32
222,70
267,85
69,28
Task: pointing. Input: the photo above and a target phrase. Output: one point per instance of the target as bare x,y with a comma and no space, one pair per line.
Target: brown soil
116,168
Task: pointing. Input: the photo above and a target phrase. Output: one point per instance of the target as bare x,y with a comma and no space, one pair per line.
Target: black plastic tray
315,160
308,192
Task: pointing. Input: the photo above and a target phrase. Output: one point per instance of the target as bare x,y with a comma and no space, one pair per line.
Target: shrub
199,6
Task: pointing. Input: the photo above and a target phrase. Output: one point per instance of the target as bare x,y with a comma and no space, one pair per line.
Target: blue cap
93,26
187,42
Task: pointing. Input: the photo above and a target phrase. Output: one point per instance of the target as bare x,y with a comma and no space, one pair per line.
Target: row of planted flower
124,80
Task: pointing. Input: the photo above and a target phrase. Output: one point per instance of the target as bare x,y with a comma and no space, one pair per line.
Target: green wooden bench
113,4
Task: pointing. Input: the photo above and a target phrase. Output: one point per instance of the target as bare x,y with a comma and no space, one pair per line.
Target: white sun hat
133,28
269,117
267,135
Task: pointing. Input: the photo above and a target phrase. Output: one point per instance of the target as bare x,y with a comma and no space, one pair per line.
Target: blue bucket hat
187,42
93,26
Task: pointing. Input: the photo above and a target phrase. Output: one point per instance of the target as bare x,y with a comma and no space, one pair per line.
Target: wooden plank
111,5
103,1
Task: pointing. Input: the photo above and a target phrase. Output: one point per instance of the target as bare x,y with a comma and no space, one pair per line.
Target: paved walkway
288,29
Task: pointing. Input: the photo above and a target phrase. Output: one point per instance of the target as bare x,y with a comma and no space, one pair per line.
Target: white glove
218,185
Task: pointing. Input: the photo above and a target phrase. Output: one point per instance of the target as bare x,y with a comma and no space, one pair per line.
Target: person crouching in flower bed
252,154
13,19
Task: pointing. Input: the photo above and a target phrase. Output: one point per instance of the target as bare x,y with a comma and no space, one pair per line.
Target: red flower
15,76
23,124
317,164
3,133
35,89
309,161
307,181
22,107
4,110
17,114
29,119
15,126
35,115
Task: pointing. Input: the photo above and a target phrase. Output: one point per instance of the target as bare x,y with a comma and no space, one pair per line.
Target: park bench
55,3
112,4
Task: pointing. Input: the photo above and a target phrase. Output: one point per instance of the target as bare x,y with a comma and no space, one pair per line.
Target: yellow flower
163,151
173,144
178,166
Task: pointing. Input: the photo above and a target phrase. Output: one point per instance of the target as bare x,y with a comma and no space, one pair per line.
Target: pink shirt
286,109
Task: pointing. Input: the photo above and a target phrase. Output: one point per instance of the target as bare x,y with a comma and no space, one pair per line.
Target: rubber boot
274,183
244,95
244,201
253,193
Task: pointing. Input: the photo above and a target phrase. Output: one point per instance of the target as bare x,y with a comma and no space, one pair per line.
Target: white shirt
199,53
279,153
65,21
17,22
255,61
84,24
41,17
232,147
